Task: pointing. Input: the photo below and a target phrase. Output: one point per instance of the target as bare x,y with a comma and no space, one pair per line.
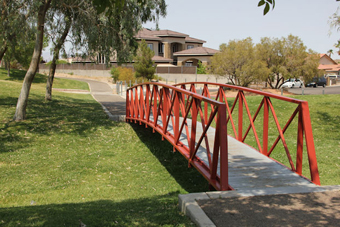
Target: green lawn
40,80
68,161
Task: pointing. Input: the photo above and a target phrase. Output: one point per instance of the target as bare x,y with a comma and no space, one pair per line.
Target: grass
40,80
68,161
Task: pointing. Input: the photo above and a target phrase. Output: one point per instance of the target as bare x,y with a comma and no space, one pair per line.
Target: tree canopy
272,60
106,27
239,62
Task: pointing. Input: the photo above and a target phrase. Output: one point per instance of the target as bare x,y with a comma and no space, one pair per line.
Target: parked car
290,83
321,81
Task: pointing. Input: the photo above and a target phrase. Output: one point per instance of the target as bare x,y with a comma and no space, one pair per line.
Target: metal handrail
166,109
301,112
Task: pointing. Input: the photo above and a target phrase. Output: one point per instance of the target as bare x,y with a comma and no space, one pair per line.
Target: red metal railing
167,110
301,112
174,113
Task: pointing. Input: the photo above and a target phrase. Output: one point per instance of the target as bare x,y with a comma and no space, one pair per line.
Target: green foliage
58,62
144,65
239,62
201,69
115,73
287,58
158,78
267,4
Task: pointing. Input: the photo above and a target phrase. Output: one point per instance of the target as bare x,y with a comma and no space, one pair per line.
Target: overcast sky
218,21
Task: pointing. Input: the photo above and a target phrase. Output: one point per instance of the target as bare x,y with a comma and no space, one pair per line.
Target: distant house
170,47
176,48
330,66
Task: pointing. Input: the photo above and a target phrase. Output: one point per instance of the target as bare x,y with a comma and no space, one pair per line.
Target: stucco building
175,48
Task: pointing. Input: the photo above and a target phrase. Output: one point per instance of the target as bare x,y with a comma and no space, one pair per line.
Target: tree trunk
20,112
60,42
3,50
9,69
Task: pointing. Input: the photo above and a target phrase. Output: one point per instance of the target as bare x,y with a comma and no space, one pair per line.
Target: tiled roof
168,33
197,51
148,34
330,67
193,40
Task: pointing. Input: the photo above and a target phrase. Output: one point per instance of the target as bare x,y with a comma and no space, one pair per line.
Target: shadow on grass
63,115
189,178
18,75
152,211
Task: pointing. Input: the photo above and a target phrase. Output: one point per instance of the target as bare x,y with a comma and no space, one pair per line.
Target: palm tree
330,52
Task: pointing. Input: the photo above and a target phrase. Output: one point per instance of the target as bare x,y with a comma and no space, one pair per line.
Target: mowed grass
68,161
40,80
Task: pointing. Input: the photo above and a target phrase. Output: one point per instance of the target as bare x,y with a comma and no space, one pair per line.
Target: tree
330,52
286,58
18,34
201,69
20,112
116,23
144,65
238,61
267,4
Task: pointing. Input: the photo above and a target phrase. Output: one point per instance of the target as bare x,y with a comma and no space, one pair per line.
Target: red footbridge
235,141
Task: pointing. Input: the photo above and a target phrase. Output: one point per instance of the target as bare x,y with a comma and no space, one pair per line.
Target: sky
218,21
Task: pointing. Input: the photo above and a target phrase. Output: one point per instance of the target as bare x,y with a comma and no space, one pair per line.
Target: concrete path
113,104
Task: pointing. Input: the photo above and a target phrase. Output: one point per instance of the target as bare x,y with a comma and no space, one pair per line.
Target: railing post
265,125
223,144
127,105
176,113
240,116
193,127
307,128
299,149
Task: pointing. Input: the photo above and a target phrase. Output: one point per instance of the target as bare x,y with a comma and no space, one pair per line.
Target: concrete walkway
113,104
250,173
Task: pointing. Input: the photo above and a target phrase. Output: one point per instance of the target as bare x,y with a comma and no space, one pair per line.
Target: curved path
113,104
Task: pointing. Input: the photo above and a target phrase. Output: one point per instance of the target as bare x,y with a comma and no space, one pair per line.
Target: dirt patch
97,78
308,209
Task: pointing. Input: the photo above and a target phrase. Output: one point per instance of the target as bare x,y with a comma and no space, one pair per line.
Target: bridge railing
174,112
270,131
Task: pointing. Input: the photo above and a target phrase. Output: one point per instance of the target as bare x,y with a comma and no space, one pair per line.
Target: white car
290,83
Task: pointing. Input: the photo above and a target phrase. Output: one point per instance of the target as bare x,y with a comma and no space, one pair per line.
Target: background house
330,66
175,48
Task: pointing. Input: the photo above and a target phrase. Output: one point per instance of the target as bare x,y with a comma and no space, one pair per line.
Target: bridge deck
248,169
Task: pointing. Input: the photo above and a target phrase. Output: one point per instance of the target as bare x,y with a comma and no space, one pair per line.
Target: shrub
126,74
115,73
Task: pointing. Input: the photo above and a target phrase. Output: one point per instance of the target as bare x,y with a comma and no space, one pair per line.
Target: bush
126,74
115,73
59,62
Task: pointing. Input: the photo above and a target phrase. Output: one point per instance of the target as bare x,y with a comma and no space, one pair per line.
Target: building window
188,63
190,47
150,45
161,48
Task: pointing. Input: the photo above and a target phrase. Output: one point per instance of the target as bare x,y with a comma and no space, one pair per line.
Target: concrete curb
188,205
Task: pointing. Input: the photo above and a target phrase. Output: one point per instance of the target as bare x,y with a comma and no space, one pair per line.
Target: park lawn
68,161
40,80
